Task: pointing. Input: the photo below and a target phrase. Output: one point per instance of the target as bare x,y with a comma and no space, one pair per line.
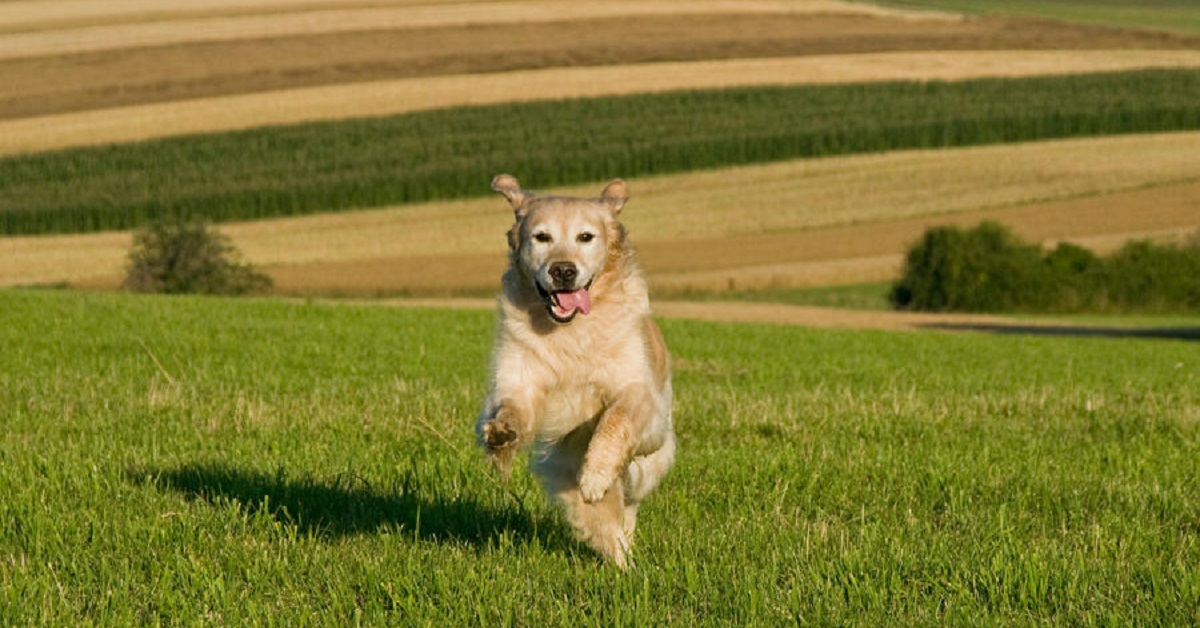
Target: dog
579,370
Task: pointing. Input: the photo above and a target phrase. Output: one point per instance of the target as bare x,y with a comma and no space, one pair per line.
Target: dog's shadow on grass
349,505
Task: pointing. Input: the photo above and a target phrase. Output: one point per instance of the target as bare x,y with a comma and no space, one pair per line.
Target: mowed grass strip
264,462
445,154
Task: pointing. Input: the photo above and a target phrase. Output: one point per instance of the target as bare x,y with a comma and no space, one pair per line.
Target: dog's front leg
613,442
503,427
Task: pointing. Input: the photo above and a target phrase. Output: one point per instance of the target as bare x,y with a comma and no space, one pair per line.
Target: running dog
579,369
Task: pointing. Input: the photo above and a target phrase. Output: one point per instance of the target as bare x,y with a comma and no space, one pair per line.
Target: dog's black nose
563,274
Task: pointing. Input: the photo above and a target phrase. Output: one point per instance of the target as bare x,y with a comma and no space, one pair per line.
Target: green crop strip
453,153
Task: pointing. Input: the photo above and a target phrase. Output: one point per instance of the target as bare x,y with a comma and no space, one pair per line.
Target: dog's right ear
507,185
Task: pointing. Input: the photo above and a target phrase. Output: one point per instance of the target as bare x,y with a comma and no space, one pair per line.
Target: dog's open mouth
563,305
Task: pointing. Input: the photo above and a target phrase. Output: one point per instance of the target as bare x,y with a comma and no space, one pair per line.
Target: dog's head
562,246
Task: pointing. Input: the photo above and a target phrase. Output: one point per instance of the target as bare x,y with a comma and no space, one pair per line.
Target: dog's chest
581,380
567,407
573,372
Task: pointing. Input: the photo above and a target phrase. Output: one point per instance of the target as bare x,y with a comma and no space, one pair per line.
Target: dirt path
837,318
745,312
816,317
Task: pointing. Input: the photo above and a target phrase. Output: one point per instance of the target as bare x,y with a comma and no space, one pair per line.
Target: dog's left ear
614,195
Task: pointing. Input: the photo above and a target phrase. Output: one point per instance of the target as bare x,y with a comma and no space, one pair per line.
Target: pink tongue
577,300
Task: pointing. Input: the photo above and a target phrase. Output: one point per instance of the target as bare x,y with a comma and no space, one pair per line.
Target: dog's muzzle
563,299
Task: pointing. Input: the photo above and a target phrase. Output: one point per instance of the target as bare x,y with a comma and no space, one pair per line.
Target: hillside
130,71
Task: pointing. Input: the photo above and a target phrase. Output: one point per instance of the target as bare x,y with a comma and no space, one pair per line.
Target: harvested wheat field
83,73
66,81
93,75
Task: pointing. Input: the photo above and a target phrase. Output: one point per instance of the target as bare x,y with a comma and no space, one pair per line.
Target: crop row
453,153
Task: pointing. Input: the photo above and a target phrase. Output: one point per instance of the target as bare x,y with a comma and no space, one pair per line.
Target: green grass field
190,460
1181,16
455,152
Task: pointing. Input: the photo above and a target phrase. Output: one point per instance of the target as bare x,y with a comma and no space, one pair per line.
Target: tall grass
189,460
453,153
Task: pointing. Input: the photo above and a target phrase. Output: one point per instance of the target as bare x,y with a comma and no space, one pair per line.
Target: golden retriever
579,369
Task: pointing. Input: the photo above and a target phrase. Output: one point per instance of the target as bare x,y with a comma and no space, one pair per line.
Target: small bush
1146,276
989,269
176,257
1075,279
980,269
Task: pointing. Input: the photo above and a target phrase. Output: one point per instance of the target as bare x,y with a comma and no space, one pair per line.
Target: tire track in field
229,113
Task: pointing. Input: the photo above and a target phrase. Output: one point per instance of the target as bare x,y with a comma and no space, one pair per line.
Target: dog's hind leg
599,524
642,476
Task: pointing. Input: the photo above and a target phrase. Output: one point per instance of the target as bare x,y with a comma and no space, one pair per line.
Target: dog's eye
585,237
542,237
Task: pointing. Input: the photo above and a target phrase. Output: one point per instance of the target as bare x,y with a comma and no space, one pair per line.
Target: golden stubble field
86,73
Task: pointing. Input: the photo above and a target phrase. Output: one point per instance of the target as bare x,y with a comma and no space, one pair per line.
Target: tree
981,269
186,257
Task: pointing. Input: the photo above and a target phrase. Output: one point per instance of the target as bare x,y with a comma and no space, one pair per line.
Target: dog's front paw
500,441
593,487
498,434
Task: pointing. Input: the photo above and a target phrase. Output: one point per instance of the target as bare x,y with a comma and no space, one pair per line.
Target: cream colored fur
591,395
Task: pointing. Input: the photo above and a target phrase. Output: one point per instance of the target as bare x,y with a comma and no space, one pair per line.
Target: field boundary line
381,98
728,312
